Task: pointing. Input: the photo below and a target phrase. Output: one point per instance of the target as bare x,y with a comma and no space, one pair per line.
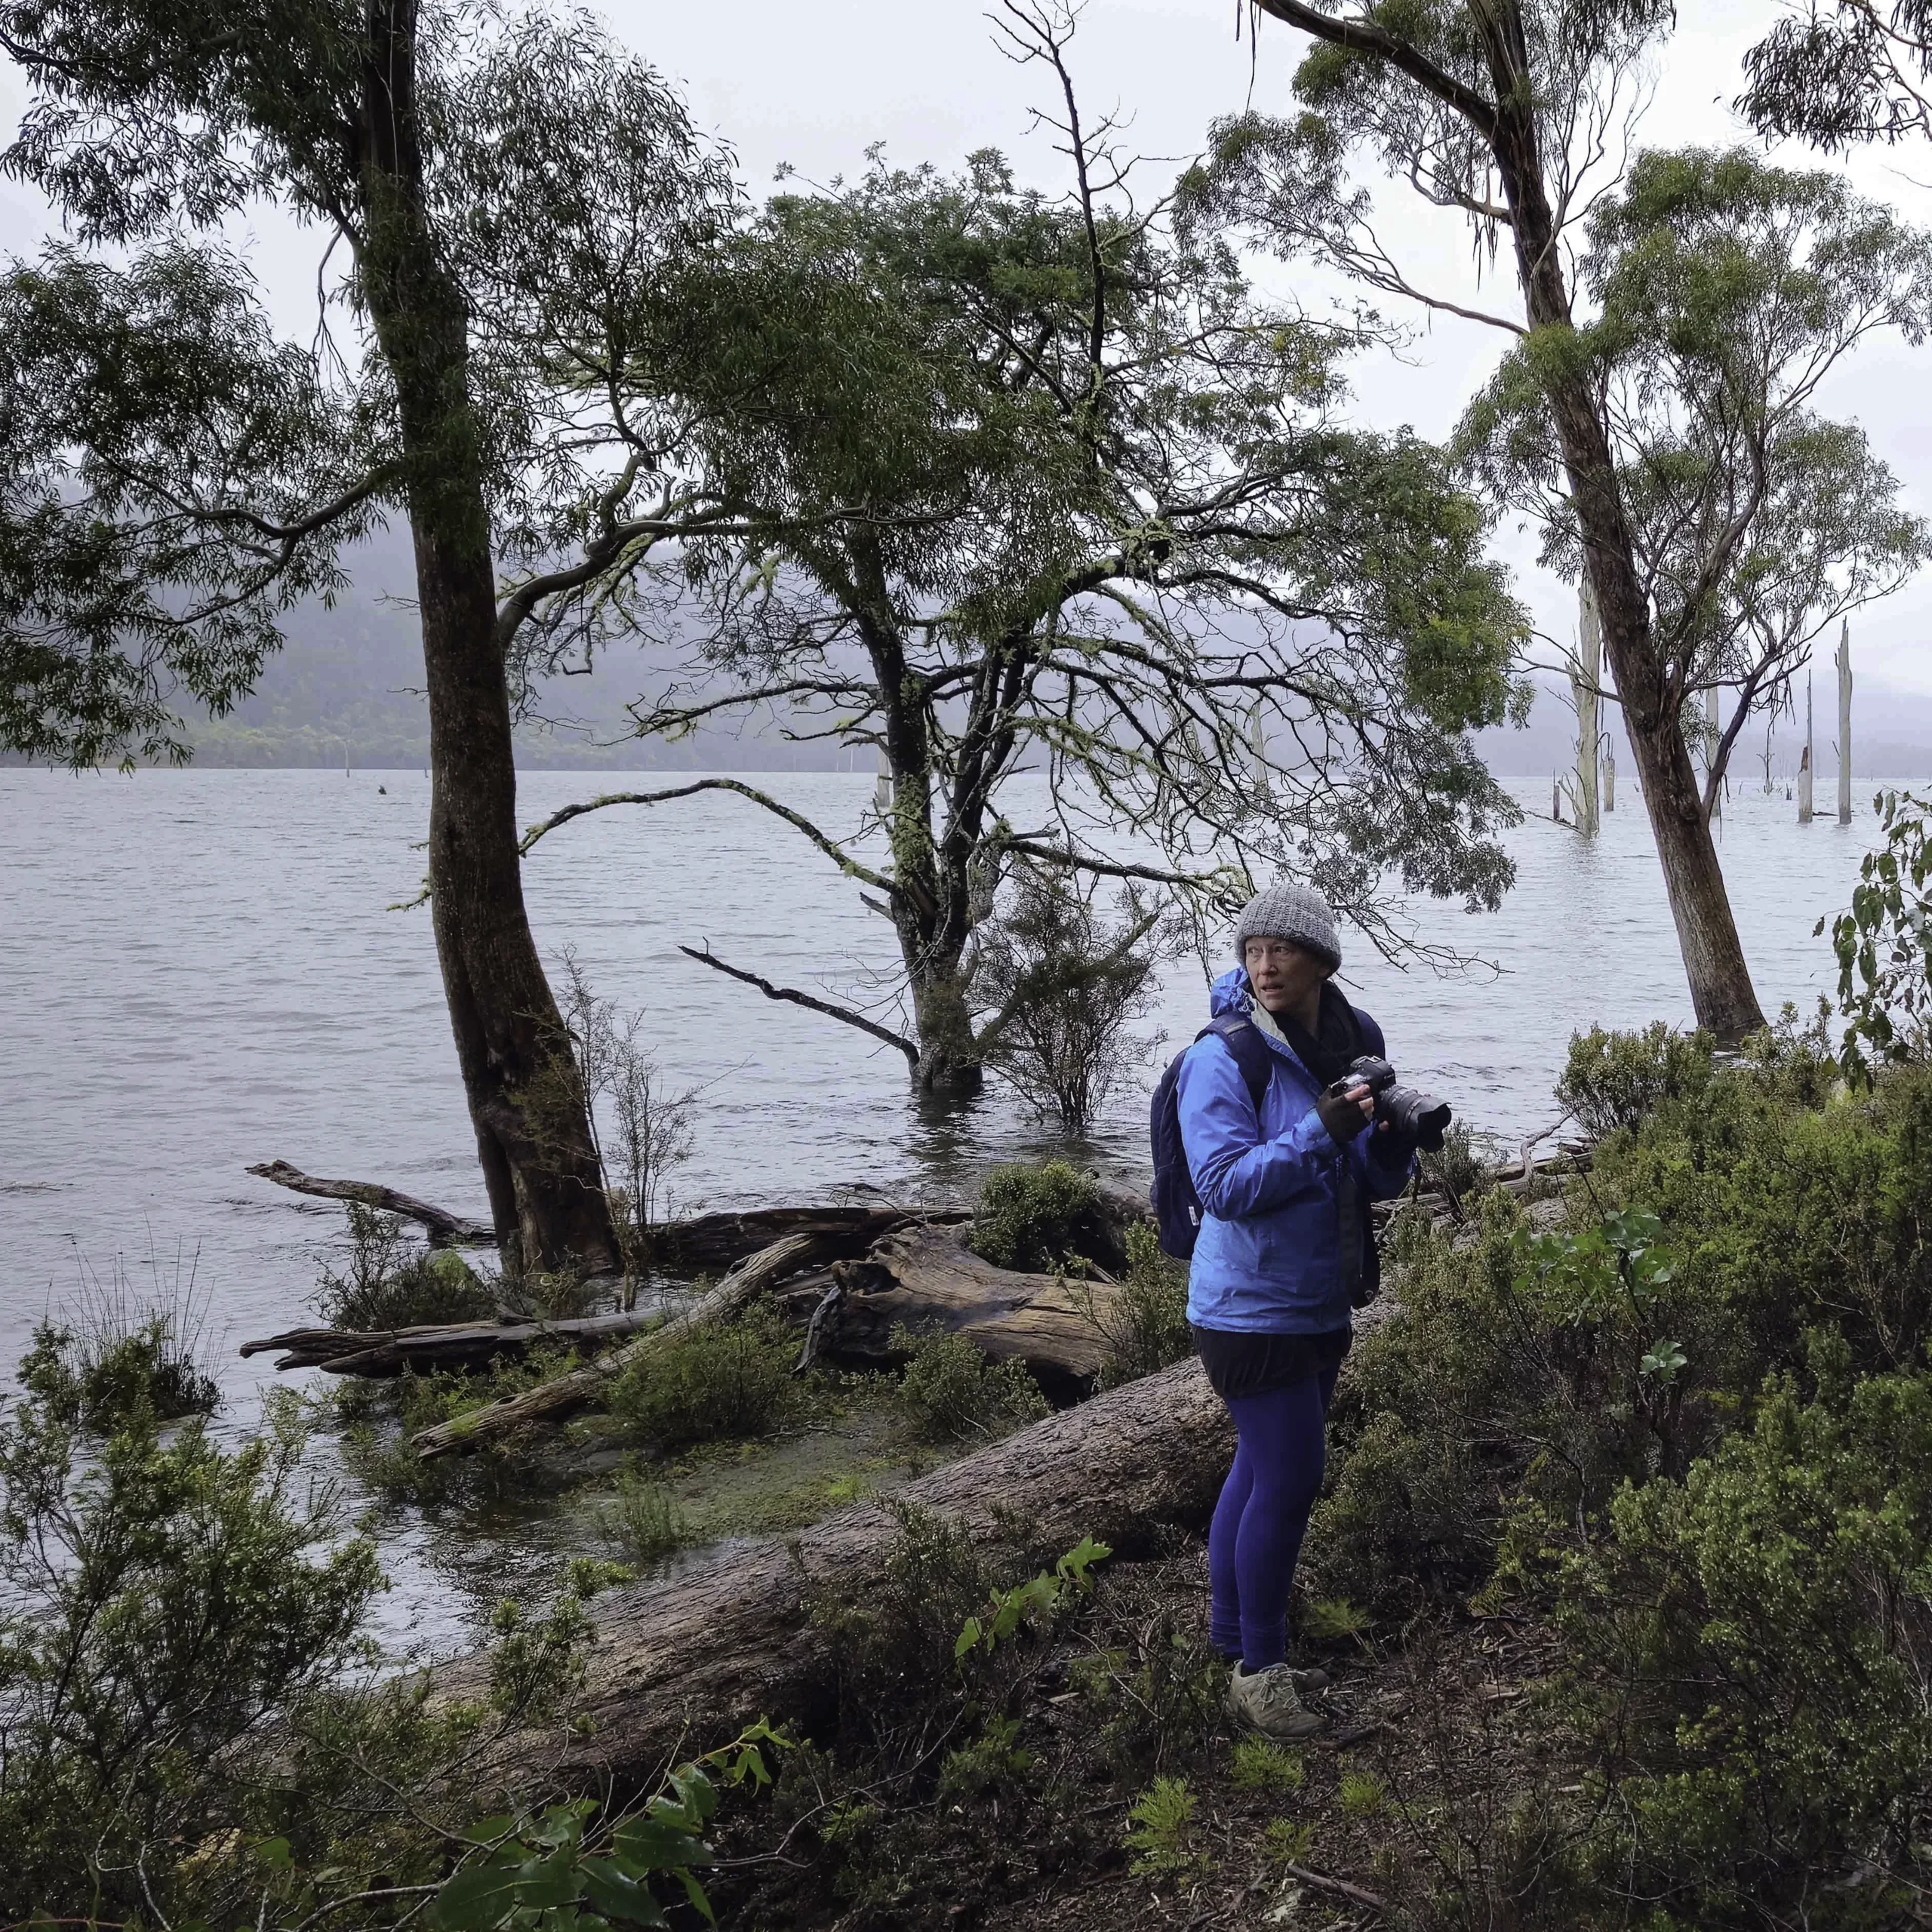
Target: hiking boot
1307,1680
1267,1701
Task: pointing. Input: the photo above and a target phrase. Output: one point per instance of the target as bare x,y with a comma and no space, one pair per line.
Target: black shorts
1239,1363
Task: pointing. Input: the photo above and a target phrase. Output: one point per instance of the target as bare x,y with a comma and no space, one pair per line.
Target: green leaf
617,1895
969,1636
477,1899
656,1845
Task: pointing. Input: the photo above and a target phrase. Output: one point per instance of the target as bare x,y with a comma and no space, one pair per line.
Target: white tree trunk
1586,676
1805,761
1844,724
882,791
1258,746
1608,776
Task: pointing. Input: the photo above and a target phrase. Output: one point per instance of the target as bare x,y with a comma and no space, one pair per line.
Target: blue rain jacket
1269,1257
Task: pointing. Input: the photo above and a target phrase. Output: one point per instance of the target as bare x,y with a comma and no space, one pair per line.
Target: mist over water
198,972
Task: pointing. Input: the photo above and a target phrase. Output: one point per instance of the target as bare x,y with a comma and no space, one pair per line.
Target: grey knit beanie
1292,912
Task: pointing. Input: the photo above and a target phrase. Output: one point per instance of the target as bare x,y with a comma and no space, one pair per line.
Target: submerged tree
1515,116
1726,291
176,475
1117,536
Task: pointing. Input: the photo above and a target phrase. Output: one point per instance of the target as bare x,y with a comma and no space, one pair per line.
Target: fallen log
683,1663
718,1240
444,1230
442,1346
721,1240
925,1278
550,1402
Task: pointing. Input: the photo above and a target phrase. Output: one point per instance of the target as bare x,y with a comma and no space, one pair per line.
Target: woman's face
1283,974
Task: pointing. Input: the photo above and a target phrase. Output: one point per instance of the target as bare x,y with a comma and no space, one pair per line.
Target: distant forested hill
350,678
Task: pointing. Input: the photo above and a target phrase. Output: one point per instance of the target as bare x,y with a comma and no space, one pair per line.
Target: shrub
393,1282
732,1379
1261,1766
642,1519
93,1382
1753,1668
1067,985
1787,1214
1619,1080
117,1348
162,1600
950,1392
1144,1325
1160,1830
1035,1218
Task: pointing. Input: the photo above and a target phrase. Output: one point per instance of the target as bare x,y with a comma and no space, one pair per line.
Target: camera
1407,1110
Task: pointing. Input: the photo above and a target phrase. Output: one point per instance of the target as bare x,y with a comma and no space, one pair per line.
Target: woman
1284,1253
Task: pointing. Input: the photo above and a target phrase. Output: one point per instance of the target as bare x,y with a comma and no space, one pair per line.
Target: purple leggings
1262,1513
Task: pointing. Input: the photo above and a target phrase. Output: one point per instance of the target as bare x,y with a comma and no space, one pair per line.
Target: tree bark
683,1664
526,1100
1722,994
926,1279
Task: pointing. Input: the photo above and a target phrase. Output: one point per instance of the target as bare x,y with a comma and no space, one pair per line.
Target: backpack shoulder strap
1242,1038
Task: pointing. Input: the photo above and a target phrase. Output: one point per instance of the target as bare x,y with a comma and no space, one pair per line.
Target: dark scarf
1327,1051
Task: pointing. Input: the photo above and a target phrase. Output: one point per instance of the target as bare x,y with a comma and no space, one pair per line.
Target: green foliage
393,1282
1064,986
1260,1765
1751,1646
1144,1324
1884,994
1036,1218
93,1381
642,1518
380,1419
1362,1794
570,1867
1038,1601
1159,1837
1284,1842
729,1379
950,1392
163,1598
993,1759
1619,1080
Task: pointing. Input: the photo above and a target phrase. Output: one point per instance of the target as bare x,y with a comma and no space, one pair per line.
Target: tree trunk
526,1100
1721,990
1843,663
1808,765
1584,684
683,1664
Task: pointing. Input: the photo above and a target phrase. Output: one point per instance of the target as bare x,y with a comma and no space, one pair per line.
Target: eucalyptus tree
505,194
1725,291
1515,116
1117,535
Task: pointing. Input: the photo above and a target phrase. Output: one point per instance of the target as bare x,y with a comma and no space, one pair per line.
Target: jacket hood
1229,993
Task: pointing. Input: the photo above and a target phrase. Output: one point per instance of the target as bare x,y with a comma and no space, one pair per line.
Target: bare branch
793,997
830,848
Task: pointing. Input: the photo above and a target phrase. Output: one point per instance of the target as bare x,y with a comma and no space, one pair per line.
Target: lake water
198,972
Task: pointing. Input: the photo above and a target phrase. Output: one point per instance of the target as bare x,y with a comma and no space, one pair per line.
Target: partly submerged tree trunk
1842,661
1722,994
526,1100
685,1663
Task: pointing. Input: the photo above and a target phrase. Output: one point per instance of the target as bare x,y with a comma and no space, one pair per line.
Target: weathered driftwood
444,1230
563,1395
704,1241
684,1663
460,1345
721,1240
926,1279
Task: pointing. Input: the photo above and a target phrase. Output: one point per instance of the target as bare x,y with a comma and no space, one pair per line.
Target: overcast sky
813,85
